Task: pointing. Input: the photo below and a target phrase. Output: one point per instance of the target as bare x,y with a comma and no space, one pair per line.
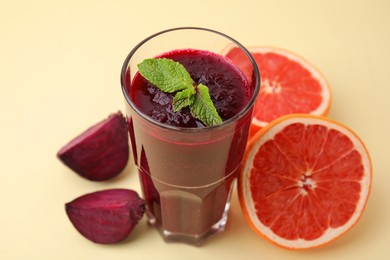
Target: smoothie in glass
186,168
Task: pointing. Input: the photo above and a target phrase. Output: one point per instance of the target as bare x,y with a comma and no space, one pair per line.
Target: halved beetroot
101,152
106,216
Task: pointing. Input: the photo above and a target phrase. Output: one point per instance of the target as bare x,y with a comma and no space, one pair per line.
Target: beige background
59,74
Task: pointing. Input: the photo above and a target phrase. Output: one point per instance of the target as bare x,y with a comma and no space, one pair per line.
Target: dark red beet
107,216
101,152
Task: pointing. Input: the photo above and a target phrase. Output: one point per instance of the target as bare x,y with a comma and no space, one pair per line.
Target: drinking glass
187,174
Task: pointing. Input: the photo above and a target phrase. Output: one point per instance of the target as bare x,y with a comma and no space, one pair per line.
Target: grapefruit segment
289,84
305,181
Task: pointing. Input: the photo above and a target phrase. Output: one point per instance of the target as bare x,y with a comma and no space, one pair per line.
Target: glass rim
190,129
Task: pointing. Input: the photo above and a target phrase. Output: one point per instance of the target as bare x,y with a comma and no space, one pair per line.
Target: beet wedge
101,152
106,216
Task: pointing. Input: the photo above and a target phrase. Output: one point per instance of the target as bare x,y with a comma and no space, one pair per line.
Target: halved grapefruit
305,181
289,84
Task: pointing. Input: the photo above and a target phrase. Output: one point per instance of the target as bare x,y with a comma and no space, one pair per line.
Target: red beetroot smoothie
187,184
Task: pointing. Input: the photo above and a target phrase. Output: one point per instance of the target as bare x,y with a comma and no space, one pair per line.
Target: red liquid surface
187,177
227,86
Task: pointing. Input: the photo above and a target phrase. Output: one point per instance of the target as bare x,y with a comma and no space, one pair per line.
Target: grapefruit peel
244,192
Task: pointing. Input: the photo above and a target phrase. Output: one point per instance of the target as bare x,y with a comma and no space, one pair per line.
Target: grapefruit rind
245,196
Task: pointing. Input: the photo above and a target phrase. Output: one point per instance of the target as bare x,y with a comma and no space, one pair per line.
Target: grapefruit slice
305,181
289,84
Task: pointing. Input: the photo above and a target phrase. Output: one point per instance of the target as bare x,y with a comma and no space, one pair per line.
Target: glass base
197,239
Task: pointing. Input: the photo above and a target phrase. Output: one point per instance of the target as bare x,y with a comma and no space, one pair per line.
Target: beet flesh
106,216
101,152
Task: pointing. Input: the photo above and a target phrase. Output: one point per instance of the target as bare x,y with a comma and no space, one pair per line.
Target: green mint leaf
170,76
203,108
166,74
184,98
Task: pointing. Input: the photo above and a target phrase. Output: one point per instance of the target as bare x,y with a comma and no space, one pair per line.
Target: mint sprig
170,76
